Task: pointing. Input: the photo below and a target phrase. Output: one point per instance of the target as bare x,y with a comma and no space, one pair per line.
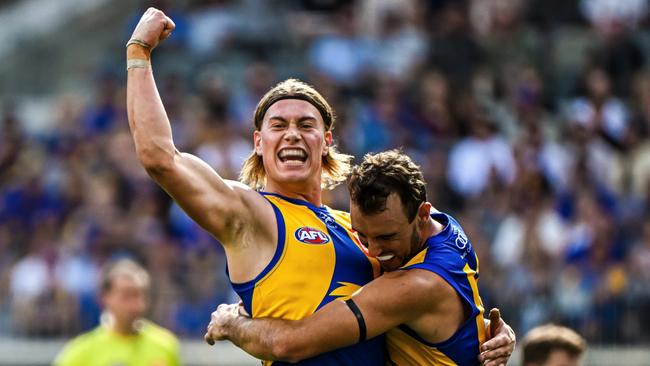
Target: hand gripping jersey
448,254
317,260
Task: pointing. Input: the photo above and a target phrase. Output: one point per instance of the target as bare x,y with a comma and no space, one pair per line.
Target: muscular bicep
214,203
394,298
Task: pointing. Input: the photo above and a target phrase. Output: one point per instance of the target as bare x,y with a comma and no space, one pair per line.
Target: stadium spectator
400,47
453,48
379,120
482,158
342,54
617,49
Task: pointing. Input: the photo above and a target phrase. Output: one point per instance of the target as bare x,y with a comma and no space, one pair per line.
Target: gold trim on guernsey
473,282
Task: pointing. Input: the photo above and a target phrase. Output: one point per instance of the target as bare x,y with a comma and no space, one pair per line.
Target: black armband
360,320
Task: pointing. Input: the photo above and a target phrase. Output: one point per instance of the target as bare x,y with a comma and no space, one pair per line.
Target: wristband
137,63
138,42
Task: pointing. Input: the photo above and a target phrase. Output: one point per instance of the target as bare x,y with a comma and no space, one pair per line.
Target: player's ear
424,211
257,141
328,143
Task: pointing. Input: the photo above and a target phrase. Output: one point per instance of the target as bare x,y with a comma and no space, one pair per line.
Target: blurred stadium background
530,119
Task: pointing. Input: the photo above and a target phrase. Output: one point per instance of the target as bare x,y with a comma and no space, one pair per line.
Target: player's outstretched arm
334,326
210,200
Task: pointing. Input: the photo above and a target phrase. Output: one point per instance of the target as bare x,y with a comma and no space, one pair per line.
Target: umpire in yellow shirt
123,337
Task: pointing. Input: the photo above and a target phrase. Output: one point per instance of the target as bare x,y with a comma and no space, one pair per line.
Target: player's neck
432,228
312,194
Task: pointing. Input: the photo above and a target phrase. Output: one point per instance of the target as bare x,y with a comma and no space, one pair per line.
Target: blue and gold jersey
448,254
317,260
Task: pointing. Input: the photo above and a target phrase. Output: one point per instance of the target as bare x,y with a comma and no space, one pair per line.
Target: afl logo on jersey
309,235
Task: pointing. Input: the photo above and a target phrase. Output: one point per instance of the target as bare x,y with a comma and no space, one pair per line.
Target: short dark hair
122,267
541,341
381,174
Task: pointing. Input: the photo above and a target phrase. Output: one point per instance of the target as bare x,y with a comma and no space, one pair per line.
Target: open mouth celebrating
292,156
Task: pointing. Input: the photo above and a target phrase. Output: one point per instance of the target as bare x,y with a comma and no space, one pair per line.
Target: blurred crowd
530,119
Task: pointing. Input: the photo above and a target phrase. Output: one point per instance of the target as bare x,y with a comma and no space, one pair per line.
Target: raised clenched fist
153,27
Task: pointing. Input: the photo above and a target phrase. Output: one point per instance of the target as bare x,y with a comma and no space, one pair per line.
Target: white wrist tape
137,63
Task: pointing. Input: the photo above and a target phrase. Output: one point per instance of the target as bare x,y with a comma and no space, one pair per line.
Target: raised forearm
147,118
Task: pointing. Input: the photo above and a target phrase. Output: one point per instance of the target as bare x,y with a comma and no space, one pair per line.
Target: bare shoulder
440,308
245,192
251,199
257,212
254,236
